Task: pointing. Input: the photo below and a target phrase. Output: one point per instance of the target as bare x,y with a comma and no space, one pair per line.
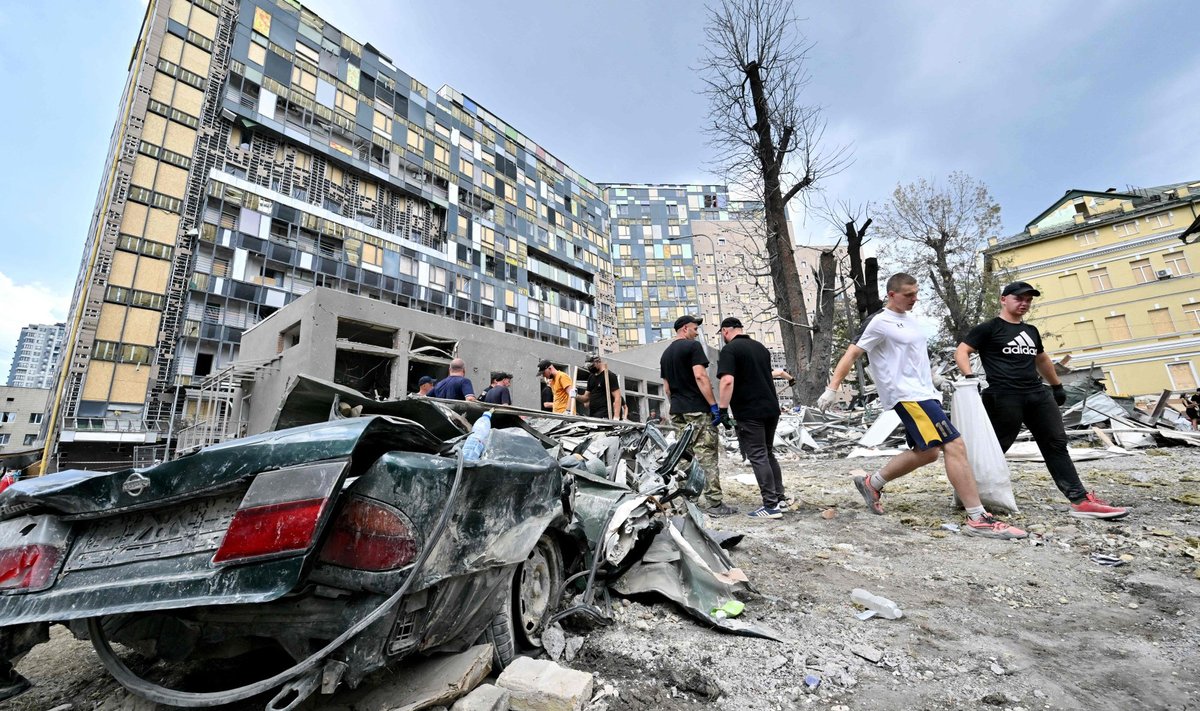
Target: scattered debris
867,652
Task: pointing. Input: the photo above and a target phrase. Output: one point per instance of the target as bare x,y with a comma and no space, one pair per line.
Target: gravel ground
987,624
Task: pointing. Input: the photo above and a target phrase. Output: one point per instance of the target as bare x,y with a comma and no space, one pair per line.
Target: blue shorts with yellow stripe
925,424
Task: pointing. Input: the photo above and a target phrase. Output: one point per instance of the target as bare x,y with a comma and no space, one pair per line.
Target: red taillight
281,512
27,567
270,530
369,535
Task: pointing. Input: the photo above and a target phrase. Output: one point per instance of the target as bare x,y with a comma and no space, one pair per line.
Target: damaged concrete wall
326,333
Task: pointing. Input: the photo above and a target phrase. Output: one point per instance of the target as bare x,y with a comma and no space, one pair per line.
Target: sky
1032,98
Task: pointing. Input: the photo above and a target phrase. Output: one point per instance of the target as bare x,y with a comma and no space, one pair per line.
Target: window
383,123
1183,376
346,102
1142,271
1191,314
1085,332
1176,263
8,417
1163,219
1099,279
4,439
1160,321
1068,284
1118,328
1087,238
1126,229
35,418
29,440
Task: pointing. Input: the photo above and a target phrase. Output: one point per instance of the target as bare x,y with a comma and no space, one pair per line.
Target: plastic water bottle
477,441
884,607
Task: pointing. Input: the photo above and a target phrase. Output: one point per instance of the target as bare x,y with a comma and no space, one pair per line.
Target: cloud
31,302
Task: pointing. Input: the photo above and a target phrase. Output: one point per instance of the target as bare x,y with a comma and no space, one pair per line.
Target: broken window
367,373
435,348
288,337
365,333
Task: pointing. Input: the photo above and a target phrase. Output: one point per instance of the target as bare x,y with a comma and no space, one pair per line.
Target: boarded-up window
1183,376
1118,328
1160,321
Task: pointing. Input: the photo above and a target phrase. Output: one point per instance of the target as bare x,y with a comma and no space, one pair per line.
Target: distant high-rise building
680,249
35,361
259,153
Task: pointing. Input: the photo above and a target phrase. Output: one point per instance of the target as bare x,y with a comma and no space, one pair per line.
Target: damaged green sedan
344,546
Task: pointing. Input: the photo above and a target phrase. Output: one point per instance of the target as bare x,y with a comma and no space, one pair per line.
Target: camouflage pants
705,448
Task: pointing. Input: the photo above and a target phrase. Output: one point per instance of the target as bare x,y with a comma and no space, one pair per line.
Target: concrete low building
380,350
21,413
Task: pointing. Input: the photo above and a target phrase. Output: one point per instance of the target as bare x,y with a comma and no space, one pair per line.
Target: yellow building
1119,284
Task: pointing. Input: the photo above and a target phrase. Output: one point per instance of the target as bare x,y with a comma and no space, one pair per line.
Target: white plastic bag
983,450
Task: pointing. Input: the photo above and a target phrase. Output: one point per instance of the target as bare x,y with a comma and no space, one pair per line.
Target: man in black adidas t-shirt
1012,355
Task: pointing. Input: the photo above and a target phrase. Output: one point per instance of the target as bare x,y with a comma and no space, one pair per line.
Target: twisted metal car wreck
346,545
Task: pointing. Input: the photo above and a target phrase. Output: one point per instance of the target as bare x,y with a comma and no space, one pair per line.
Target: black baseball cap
542,365
425,379
1020,288
731,322
592,359
500,375
686,319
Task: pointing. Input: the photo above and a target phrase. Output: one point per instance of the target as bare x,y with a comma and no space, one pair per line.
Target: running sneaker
720,510
988,526
869,494
764,512
1093,507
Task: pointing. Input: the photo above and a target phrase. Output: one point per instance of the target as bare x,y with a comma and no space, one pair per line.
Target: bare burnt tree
769,143
936,234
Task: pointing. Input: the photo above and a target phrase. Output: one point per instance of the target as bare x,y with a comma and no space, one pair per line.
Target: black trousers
755,437
1040,414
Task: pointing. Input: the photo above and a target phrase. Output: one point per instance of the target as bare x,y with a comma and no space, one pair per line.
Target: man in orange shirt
561,384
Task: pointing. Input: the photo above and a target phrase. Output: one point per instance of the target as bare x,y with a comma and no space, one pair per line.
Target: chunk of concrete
484,698
430,682
541,685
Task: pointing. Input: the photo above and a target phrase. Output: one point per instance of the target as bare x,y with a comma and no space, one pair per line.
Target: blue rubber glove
716,414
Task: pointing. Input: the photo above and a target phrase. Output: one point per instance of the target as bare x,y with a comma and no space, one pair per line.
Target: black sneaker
720,510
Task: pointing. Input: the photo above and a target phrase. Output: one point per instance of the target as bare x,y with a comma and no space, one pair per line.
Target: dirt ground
1027,625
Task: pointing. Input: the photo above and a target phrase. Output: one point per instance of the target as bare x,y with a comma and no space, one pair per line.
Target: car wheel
529,597
501,631
536,590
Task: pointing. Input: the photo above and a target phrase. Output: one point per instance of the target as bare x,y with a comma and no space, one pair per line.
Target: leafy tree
936,233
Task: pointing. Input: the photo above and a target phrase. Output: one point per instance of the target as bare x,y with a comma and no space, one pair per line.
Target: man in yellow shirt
561,384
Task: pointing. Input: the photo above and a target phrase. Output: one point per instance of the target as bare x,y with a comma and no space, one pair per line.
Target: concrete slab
542,685
484,698
423,684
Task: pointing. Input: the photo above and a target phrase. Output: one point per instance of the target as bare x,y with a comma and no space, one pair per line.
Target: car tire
529,598
536,587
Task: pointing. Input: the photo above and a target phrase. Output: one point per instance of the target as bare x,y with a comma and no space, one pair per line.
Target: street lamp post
713,249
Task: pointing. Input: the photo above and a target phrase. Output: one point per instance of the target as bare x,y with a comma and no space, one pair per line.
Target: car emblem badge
135,484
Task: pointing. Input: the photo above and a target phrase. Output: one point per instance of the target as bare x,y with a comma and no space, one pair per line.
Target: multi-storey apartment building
21,418
35,360
259,153
652,254
1119,287
691,249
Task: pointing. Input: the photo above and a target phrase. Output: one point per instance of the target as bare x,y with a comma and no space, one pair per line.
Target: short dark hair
898,280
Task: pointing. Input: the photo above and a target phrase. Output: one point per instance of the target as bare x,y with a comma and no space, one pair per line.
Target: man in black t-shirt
498,392
600,381
745,375
684,371
1012,355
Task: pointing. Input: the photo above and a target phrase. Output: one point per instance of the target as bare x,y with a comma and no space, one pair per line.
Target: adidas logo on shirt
1021,345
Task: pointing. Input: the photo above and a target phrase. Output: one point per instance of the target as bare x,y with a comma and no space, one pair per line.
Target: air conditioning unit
1164,274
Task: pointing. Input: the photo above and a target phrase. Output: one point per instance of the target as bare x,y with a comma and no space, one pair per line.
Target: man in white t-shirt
899,365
